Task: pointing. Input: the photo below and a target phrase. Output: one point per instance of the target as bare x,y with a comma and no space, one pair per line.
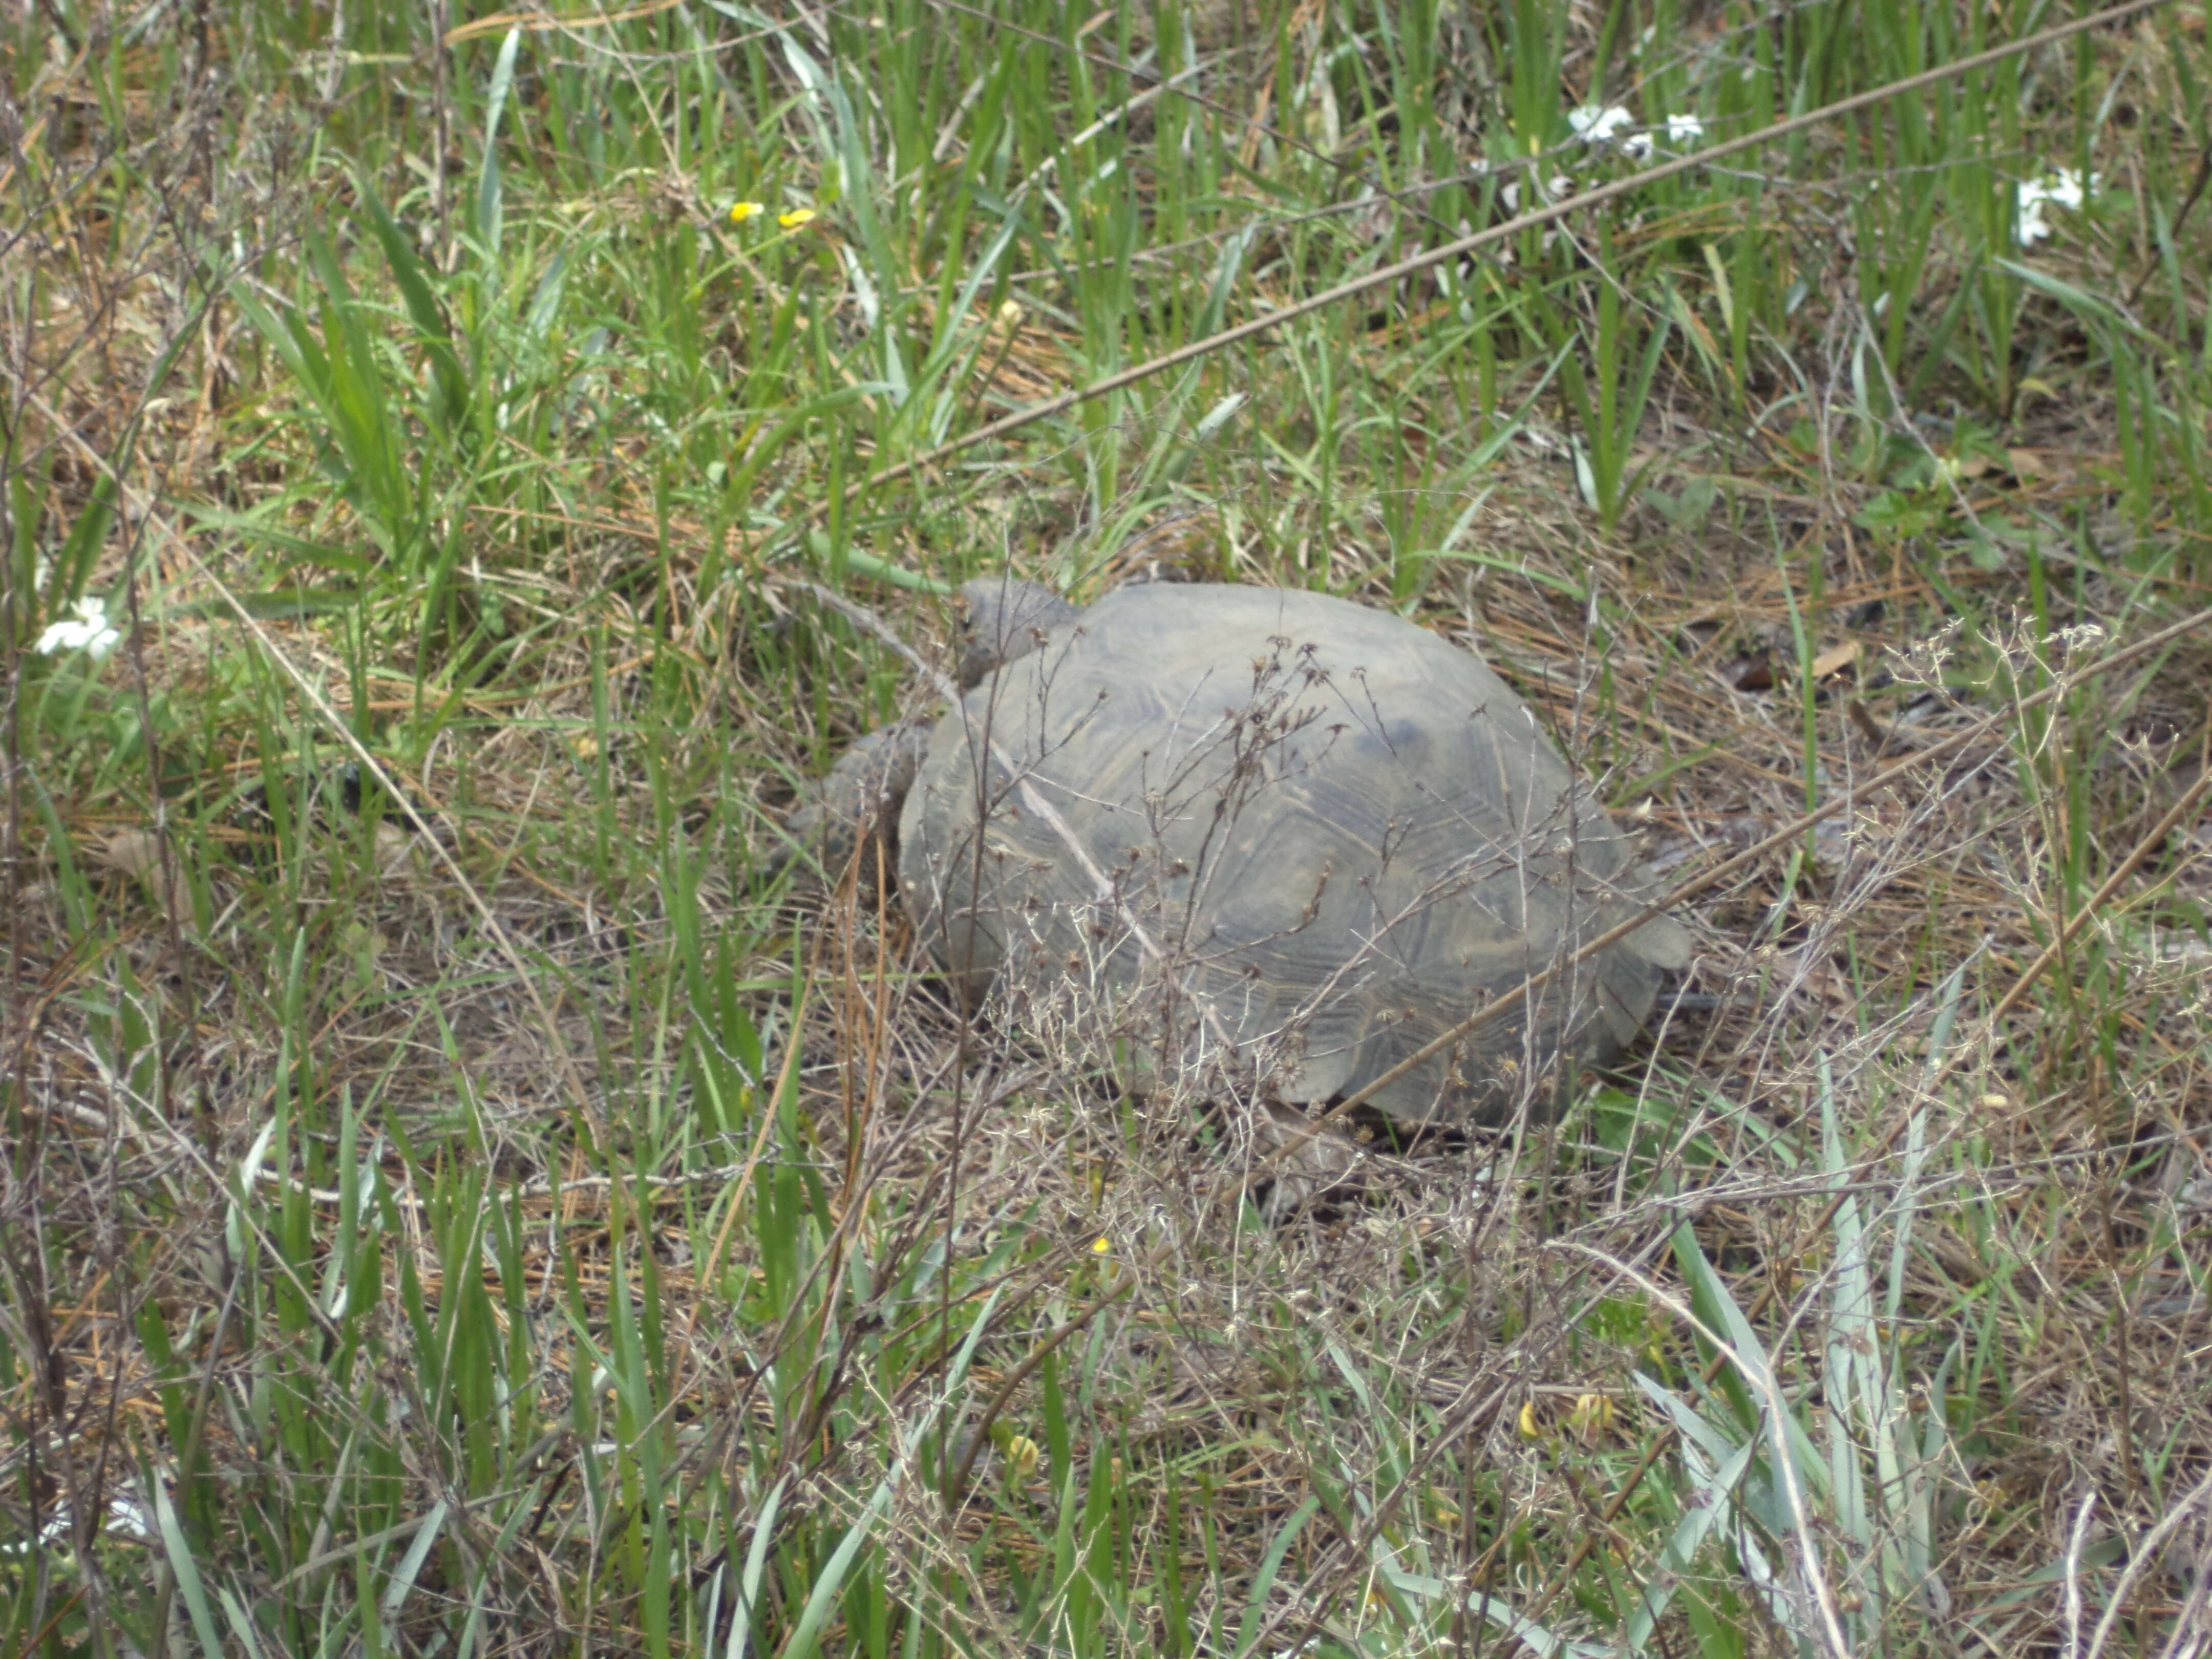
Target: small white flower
1596,125
1637,147
1683,130
87,631
2062,187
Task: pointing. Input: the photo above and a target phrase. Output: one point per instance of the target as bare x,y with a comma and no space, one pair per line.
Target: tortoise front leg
856,807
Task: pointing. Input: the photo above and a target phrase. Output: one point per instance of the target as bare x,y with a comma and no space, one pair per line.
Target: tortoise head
1006,619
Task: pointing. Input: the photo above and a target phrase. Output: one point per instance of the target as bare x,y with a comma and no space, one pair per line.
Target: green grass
511,1228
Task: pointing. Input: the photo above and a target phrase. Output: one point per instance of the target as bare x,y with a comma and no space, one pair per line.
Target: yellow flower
1100,1246
1592,1416
1531,1428
795,218
741,211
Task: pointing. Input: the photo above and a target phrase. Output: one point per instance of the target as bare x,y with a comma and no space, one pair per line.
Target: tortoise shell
1276,830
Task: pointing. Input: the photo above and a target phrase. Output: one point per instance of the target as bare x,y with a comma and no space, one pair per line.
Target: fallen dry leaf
1835,658
393,846
1752,673
133,852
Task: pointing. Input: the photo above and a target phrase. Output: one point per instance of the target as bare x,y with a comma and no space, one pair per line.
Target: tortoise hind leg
856,809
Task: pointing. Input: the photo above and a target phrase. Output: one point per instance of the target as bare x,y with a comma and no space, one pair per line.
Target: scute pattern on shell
1341,832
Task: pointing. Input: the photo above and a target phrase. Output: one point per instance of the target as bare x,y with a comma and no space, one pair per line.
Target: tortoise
1265,827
